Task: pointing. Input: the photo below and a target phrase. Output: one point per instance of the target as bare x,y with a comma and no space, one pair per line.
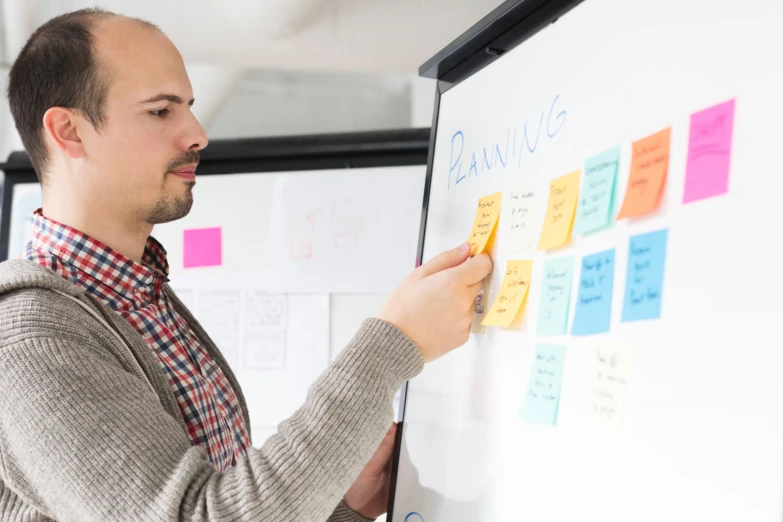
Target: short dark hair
58,67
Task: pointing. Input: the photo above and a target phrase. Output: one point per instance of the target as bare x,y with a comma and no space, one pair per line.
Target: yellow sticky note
484,225
512,296
560,211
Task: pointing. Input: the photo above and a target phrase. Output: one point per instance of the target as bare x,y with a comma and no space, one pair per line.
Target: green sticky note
542,397
555,296
597,195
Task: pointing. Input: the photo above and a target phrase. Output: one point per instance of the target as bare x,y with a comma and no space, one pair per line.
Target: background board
701,437
305,253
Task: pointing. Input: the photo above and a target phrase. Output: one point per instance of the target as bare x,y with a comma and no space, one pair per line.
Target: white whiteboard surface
276,344
335,231
703,433
26,199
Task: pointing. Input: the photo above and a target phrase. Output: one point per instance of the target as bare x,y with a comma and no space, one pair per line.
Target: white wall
275,103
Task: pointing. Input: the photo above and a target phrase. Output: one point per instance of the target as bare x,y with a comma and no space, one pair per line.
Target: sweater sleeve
345,514
83,439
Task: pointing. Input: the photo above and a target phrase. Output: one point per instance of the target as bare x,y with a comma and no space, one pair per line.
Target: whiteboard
27,198
702,433
333,231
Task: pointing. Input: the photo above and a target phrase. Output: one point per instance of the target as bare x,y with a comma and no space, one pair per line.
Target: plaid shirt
135,291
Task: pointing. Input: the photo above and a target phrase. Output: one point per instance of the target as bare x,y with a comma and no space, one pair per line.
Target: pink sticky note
709,152
203,247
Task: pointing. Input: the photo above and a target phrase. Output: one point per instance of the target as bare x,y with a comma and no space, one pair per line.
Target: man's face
142,161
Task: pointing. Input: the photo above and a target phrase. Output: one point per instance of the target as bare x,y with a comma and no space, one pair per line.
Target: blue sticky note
555,296
542,397
644,283
594,301
596,196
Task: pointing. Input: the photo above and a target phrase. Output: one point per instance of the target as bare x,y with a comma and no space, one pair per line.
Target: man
114,402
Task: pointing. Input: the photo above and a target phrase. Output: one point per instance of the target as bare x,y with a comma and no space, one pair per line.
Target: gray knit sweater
90,430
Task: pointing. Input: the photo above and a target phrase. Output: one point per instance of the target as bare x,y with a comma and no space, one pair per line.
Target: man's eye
159,113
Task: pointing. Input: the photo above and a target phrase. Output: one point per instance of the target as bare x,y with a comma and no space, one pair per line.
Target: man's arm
83,439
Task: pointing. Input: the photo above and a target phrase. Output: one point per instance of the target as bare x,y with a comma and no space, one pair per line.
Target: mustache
190,157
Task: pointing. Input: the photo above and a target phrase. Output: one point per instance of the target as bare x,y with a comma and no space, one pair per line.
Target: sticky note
644,282
608,397
517,222
597,194
709,152
487,216
555,296
594,300
559,220
542,397
510,302
649,166
203,247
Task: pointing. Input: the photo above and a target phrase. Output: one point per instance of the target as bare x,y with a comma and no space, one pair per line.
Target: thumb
386,447
447,259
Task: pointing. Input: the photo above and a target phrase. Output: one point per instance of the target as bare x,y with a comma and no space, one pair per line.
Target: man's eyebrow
173,98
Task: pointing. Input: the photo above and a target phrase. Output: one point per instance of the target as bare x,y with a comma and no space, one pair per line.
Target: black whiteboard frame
387,148
506,27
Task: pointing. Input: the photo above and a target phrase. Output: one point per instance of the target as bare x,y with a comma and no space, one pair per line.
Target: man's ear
61,126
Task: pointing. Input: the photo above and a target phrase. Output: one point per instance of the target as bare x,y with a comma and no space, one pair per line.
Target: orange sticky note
484,225
649,166
507,308
560,211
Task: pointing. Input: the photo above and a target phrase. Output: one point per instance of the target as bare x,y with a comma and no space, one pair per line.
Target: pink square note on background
709,152
203,247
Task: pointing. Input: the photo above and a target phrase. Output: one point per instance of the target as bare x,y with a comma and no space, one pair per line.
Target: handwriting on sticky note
594,300
542,398
608,390
709,152
487,216
649,167
559,220
512,295
597,194
555,296
202,247
518,216
644,280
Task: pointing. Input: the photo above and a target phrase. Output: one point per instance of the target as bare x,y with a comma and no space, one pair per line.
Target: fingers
474,270
447,259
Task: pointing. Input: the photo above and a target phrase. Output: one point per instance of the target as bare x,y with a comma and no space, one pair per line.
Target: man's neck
101,225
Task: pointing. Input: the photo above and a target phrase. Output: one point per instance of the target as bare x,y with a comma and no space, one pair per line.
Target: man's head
102,104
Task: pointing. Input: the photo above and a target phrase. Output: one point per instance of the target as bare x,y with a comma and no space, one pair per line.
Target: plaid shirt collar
99,261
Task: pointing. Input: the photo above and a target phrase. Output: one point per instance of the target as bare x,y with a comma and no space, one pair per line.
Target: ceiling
390,36
320,56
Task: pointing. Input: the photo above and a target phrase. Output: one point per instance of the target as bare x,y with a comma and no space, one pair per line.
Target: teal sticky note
555,296
542,397
596,196
594,300
644,282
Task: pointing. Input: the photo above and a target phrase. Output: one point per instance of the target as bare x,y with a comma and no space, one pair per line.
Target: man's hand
434,305
369,494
